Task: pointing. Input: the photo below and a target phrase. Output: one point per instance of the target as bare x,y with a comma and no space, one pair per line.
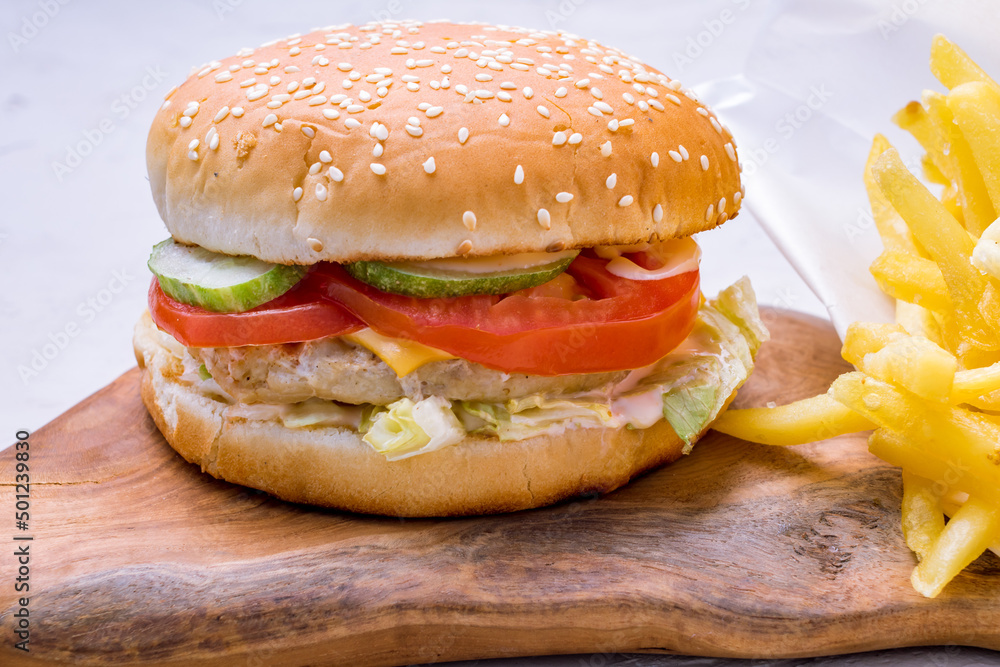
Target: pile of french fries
929,385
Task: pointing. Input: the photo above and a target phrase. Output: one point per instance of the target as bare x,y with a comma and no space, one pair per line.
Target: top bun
414,140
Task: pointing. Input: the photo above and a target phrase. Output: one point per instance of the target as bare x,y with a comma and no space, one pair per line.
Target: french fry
976,109
866,337
931,172
808,420
923,520
949,510
970,532
918,321
915,364
945,471
946,241
972,438
973,197
975,382
911,278
896,236
952,66
914,119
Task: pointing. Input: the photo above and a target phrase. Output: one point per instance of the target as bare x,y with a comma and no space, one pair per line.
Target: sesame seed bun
334,467
420,140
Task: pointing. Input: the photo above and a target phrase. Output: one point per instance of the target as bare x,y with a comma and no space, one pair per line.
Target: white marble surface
84,78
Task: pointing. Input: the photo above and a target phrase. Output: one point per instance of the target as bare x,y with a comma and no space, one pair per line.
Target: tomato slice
298,315
624,324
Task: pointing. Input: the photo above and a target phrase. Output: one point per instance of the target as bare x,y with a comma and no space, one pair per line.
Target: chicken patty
338,370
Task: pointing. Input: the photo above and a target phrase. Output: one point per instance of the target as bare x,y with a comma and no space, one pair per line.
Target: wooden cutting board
737,550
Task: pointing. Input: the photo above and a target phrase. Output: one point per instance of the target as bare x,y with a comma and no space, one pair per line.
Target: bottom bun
334,467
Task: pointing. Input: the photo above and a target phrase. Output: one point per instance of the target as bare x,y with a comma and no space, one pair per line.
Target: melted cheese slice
402,356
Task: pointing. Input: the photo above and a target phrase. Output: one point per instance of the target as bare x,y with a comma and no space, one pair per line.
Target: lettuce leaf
407,428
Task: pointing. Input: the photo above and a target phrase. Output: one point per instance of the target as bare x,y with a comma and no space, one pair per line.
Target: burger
433,269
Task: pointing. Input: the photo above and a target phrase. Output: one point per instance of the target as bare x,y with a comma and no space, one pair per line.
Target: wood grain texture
737,550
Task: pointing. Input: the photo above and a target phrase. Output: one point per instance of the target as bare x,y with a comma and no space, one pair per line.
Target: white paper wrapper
820,81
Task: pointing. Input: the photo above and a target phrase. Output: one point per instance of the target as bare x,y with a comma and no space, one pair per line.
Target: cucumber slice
216,282
462,277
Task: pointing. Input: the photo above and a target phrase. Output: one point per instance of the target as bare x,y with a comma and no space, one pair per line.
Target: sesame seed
683,152
504,96
430,166
296,194
730,152
321,192
715,124
561,92
722,205
604,107
629,98
335,174
594,111
596,92
191,111
213,143
318,100
583,83
256,94
275,80
519,175
465,247
248,82
710,213
463,135
613,124
673,98
221,115
626,122
314,168
675,156
559,138
434,112
626,201
504,120
704,163
381,132
364,96
656,105
308,131
543,111
222,77
469,220
643,106
325,157
331,114
381,91
736,198
658,213
315,244
484,94
291,69
377,169
355,108
398,51
414,130
237,112
483,77
528,93
544,219
378,150
606,149
612,181
193,155
193,144
564,197
575,138
655,159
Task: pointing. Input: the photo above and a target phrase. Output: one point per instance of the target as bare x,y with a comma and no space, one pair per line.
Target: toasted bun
275,152
334,467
